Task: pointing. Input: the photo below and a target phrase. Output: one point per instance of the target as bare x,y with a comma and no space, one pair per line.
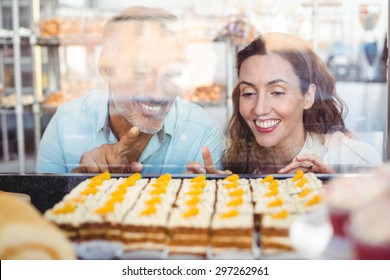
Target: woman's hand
208,167
307,163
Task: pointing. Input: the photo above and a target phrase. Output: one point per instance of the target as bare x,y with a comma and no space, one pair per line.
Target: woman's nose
263,105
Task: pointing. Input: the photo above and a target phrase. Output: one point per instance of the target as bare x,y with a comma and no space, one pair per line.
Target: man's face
143,66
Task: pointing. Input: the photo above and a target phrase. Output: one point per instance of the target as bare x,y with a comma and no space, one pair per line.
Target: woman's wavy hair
325,116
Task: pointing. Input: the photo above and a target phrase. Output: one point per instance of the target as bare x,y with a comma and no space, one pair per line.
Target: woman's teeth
266,124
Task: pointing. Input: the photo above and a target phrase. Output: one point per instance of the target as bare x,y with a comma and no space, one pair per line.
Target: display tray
47,189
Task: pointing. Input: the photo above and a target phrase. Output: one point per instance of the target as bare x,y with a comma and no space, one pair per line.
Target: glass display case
60,42
49,52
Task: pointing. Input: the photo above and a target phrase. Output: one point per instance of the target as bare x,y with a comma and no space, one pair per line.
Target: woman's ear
310,96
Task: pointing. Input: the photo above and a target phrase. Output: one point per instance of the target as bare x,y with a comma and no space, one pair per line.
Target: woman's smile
266,126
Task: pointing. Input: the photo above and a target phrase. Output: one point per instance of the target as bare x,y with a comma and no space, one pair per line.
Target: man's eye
140,74
172,75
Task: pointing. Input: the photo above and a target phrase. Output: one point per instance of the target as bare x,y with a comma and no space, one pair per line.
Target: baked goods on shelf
9,101
25,234
207,94
71,31
54,99
61,26
210,218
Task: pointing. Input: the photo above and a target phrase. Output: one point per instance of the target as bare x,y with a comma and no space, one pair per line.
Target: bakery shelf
71,40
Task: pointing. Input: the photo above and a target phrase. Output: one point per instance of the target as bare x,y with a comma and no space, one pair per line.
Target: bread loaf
25,234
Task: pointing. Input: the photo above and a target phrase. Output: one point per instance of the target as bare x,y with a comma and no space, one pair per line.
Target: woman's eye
247,94
277,93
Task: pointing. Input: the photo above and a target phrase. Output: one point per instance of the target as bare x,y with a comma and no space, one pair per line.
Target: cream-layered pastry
270,205
268,187
234,193
189,221
69,213
188,229
196,190
271,196
144,226
303,181
232,231
307,191
274,232
299,194
232,225
104,219
188,216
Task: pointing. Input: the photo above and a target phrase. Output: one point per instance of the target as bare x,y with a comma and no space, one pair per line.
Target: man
140,125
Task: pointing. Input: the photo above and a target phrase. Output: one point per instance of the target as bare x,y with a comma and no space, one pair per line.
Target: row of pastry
189,216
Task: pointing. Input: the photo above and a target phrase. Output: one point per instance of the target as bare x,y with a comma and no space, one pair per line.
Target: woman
286,114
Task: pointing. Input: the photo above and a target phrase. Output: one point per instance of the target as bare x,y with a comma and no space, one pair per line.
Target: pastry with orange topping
232,225
232,231
70,213
274,232
189,221
278,202
193,217
234,194
144,226
104,219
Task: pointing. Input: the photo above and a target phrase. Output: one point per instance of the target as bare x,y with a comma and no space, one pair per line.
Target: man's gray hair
141,13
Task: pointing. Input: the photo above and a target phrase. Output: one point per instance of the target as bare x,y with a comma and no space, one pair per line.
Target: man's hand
195,167
111,157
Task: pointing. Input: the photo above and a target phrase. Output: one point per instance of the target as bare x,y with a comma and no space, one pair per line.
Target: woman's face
271,101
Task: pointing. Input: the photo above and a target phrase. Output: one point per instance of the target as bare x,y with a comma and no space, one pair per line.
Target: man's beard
148,125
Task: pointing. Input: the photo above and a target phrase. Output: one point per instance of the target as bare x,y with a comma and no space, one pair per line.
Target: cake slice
232,225
189,221
103,221
232,231
274,232
69,213
144,226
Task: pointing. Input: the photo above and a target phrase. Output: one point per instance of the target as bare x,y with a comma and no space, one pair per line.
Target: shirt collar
102,115
170,119
169,123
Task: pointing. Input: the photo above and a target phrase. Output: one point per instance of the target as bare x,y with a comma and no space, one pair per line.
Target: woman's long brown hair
243,155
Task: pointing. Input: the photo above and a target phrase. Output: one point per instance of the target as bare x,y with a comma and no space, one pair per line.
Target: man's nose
151,86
